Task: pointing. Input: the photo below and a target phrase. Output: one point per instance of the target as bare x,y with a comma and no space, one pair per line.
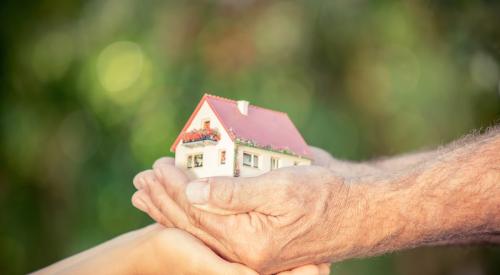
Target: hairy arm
451,195
379,166
312,214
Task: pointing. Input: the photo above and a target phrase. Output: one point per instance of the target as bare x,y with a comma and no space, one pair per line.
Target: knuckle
286,179
195,219
161,206
161,203
223,192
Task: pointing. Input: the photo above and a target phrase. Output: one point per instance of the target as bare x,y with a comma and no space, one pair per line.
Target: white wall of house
264,161
211,153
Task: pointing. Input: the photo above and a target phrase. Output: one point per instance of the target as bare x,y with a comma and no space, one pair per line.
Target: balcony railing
201,137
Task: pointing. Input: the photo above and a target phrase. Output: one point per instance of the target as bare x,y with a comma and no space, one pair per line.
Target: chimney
243,106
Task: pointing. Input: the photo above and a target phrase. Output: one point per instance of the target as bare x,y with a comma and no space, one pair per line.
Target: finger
147,179
142,198
166,160
305,270
232,195
138,180
175,182
165,205
189,219
230,268
173,179
139,203
324,269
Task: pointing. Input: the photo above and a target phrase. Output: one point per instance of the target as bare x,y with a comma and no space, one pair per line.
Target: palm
193,250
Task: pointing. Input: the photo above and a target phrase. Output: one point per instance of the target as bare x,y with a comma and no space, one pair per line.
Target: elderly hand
146,181
273,222
310,214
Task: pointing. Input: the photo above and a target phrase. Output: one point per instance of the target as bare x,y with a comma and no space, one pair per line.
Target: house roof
263,128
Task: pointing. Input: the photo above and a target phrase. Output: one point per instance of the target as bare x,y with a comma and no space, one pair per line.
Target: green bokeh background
92,92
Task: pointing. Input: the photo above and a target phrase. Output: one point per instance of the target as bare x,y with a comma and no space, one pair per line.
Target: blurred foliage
95,91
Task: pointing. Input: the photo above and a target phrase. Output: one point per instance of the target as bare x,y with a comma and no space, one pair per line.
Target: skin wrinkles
344,209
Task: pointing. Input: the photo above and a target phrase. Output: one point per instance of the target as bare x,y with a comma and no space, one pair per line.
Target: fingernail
197,192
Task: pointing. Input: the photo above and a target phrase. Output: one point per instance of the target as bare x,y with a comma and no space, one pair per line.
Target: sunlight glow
119,66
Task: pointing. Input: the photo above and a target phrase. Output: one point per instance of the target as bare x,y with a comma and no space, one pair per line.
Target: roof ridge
250,105
219,97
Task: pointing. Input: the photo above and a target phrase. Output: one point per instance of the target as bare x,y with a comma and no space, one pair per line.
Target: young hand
156,250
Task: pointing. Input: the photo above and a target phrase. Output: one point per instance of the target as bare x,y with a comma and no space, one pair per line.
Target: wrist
129,255
132,252
413,209
369,222
137,257
147,253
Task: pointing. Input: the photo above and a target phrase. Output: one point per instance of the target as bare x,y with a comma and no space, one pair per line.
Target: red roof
262,127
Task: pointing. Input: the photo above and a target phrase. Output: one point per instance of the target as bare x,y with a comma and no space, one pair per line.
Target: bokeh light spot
119,66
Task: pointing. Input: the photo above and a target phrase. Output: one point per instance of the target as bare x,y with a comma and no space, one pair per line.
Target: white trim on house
260,160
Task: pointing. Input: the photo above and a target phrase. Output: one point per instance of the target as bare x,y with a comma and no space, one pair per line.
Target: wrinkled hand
144,202
274,222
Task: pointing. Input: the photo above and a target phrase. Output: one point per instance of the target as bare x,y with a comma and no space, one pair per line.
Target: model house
225,137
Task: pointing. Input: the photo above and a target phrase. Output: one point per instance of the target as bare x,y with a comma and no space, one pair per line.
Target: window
198,160
250,160
247,159
195,161
274,163
222,157
206,124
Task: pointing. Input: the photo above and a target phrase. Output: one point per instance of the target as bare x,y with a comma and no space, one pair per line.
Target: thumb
227,195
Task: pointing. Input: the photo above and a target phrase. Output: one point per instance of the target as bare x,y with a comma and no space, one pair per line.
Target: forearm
453,197
377,167
116,256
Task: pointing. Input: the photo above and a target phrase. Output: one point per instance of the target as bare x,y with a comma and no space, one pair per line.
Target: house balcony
201,137
199,143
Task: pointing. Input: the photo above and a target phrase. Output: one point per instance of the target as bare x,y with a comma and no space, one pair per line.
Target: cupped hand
173,251
271,223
